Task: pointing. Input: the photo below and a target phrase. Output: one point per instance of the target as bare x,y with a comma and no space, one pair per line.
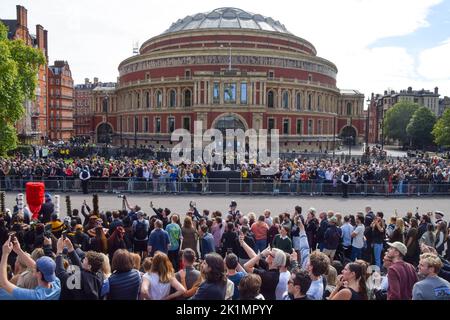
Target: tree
441,130
19,66
420,126
397,119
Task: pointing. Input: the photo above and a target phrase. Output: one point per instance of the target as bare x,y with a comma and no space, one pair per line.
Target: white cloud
434,62
96,35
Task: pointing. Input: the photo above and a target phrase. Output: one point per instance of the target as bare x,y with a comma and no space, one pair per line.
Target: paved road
277,204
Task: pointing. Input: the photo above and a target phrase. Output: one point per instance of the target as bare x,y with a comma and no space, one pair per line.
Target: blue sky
376,45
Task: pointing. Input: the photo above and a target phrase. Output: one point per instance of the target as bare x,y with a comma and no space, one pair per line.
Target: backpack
141,230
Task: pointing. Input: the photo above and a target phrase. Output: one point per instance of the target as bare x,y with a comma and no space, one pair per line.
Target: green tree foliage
441,130
397,119
420,127
19,66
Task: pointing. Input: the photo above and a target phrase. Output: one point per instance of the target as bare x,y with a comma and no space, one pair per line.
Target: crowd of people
315,176
130,254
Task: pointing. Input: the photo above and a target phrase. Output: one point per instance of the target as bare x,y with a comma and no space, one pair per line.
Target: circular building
230,69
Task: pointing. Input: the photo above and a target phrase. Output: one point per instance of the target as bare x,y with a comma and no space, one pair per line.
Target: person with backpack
332,238
140,234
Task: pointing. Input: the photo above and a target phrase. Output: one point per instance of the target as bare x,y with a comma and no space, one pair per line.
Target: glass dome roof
231,18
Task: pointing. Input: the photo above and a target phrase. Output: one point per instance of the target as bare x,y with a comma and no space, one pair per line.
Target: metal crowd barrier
265,186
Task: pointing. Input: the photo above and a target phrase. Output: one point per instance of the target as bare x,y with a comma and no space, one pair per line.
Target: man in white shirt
347,230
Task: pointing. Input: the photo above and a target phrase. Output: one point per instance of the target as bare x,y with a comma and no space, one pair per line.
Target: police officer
85,175
345,180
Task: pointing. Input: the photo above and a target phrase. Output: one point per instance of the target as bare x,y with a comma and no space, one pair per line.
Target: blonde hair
147,264
400,225
162,266
136,260
432,261
331,276
106,266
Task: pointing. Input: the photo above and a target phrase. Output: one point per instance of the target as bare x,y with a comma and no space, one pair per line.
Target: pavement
277,204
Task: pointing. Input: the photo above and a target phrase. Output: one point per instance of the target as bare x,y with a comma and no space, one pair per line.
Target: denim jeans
356,253
261,245
377,249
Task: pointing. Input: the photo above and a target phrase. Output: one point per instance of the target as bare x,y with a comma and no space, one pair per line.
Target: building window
157,125
229,93
187,98
145,124
270,99
319,108
298,101
138,96
171,124
286,126
136,124
325,127
158,99
187,74
243,93
216,92
310,127
319,126
310,101
285,100
172,98
147,100
309,77
187,123
349,108
270,124
105,105
270,75
299,126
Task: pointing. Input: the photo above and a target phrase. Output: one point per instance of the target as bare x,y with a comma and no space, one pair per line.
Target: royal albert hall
229,69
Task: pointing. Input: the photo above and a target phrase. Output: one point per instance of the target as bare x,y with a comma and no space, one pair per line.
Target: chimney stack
436,90
22,16
86,80
95,80
409,89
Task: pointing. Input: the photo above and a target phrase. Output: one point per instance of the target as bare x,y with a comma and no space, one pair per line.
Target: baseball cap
46,266
333,219
399,246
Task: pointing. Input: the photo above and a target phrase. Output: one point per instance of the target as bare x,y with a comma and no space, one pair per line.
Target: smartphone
12,234
48,230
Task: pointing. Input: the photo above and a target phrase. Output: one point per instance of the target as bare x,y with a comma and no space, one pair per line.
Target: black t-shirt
269,283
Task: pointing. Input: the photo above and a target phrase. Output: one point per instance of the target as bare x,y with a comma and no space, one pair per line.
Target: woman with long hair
99,243
354,275
215,284
189,234
160,279
412,243
441,237
399,231
116,241
125,281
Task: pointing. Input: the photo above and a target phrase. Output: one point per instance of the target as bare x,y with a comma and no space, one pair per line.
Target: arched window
310,101
147,100
285,103
158,99
187,98
172,98
298,101
319,107
270,99
349,108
